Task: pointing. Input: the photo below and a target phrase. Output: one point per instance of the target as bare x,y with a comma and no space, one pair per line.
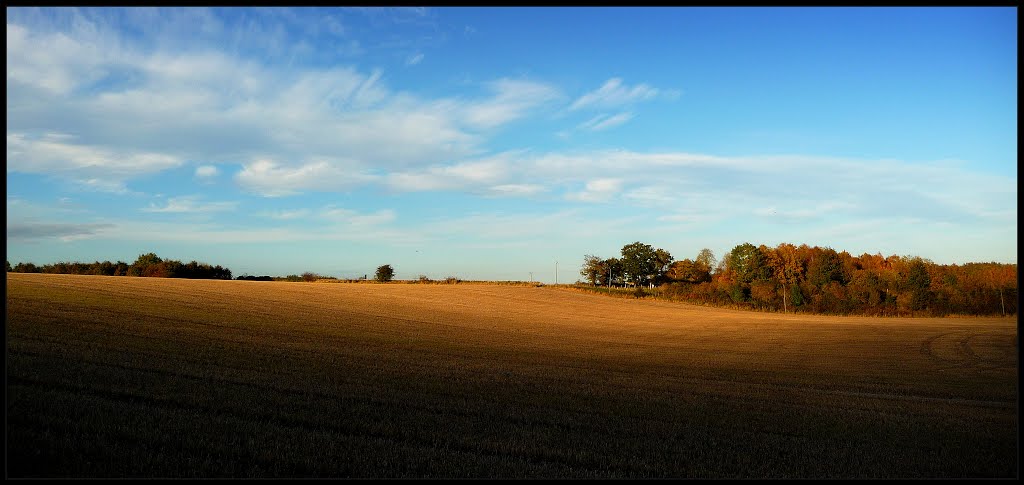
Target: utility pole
556,272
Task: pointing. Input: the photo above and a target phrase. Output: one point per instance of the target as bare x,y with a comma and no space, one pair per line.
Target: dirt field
147,377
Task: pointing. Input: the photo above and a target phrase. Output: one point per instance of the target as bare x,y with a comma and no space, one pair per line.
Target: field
150,377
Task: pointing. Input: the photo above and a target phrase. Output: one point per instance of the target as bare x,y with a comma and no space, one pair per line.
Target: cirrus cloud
613,93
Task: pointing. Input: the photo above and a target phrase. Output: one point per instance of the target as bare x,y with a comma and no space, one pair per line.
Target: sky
507,143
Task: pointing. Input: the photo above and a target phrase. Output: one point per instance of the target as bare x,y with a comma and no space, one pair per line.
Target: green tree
593,269
663,260
640,262
796,297
748,264
145,265
919,284
9,268
611,271
384,273
826,266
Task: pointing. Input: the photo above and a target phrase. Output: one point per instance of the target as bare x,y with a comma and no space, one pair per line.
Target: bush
384,273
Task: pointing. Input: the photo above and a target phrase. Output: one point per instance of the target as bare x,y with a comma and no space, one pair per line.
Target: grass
148,377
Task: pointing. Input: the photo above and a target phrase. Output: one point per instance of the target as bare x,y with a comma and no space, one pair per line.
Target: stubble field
148,377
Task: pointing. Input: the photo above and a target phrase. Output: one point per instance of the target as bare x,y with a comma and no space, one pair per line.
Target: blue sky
489,143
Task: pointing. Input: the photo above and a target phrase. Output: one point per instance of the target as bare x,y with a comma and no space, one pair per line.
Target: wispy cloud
470,174
803,213
414,59
512,100
683,218
63,231
274,180
352,217
191,204
519,190
613,94
604,121
93,166
286,215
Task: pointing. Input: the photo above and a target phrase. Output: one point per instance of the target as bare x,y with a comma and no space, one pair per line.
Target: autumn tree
693,272
999,278
682,271
786,268
706,260
823,280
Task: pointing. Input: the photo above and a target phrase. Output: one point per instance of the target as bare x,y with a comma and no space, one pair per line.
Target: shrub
384,273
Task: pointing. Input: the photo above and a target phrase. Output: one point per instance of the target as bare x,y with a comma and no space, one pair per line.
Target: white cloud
517,189
146,98
273,180
512,100
653,195
615,94
93,166
286,214
351,217
598,190
683,218
54,63
191,204
810,211
498,229
213,233
206,171
101,185
604,121
473,174
415,59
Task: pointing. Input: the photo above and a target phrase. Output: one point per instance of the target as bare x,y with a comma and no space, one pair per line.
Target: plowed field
148,377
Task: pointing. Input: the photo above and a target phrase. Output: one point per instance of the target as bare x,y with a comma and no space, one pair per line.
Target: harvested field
148,377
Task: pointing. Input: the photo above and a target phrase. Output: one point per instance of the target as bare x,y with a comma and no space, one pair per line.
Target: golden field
150,377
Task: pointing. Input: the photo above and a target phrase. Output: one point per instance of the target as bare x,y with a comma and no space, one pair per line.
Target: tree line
151,265
147,265
792,278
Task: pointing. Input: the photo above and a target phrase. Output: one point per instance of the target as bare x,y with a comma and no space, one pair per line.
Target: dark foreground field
147,377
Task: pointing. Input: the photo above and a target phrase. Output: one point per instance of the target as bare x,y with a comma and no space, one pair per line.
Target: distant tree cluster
813,279
384,273
306,277
254,278
147,265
